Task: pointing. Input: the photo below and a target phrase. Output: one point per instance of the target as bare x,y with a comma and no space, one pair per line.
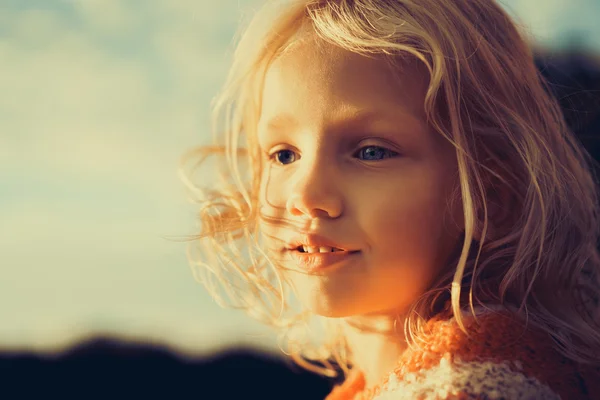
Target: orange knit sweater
500,360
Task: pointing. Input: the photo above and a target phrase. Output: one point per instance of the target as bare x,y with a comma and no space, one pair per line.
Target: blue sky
99,100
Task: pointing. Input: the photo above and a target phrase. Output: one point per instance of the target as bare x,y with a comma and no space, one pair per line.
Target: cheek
273,189
272,204
262,195
411,223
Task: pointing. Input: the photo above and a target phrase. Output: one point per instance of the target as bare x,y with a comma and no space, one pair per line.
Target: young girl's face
354,163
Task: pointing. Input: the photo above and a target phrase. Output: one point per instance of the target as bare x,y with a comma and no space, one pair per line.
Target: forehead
319,80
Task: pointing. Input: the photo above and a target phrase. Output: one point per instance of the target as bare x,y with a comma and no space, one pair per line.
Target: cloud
109,18
553,23
100,98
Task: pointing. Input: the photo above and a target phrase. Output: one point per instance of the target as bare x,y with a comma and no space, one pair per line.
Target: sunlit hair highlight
530,201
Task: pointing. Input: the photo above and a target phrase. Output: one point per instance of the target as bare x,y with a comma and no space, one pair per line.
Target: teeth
319,249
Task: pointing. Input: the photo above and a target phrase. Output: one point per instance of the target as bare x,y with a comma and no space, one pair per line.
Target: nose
316,194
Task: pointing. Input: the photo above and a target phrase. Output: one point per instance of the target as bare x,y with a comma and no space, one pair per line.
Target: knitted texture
499,359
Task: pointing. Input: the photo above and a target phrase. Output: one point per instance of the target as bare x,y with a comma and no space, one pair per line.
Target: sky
100,98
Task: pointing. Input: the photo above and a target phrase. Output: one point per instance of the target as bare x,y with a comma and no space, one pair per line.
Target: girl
403,200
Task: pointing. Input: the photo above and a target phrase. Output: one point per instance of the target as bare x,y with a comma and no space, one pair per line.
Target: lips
310,242
321,262
315,253
317,249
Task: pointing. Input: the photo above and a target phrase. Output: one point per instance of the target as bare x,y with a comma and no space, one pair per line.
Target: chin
344,307
332,307
331,313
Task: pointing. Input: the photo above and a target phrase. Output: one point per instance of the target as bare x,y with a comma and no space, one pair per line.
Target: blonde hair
486,97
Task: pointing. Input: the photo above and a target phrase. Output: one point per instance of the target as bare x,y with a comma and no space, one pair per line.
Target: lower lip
316,262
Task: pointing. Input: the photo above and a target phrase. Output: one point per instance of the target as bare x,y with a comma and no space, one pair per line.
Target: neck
376,345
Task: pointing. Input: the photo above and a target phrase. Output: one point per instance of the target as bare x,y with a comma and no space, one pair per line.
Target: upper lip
314,240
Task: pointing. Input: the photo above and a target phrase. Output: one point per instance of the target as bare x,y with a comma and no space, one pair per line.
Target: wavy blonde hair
486,97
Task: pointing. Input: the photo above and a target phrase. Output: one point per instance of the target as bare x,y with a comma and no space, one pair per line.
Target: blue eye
284,157
375,153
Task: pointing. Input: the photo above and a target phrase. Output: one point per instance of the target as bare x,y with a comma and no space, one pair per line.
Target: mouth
320,260
317,249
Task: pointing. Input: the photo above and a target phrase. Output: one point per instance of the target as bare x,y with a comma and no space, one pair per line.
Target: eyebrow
354,118
280,122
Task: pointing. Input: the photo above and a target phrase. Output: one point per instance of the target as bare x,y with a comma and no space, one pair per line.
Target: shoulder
501,357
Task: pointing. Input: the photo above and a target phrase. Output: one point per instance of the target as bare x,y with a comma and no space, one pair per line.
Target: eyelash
391,154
